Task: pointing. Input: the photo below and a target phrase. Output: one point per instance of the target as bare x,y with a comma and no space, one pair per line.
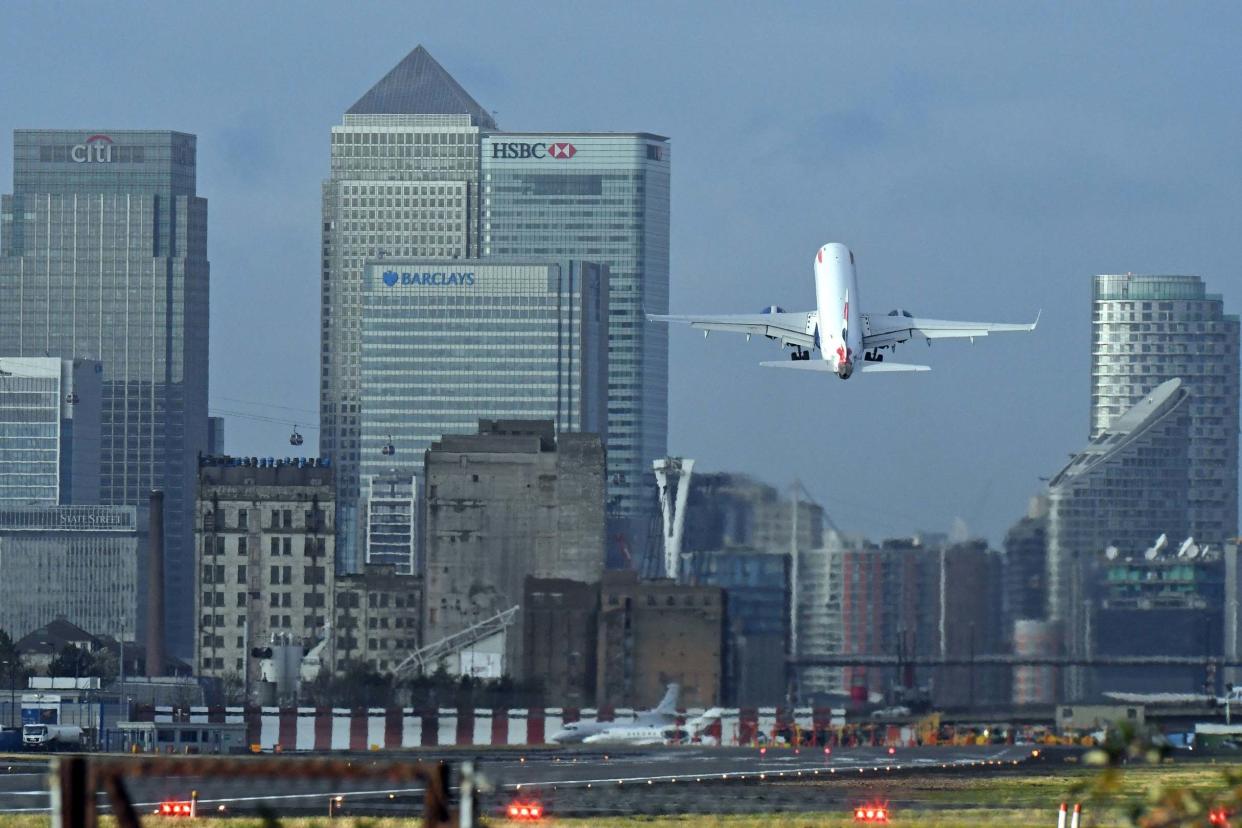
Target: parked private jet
837,329
662,715
635,735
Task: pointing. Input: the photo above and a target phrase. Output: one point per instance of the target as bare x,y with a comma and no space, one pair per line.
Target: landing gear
800,354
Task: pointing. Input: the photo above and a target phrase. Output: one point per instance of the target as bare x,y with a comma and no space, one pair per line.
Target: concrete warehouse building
512,501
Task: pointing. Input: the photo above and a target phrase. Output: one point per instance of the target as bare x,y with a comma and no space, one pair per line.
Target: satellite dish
1152,553
1193,552
1184,550
1161,542
1111,553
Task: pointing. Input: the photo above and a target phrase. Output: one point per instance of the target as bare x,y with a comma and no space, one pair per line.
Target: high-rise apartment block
1129,486
49,430
265,553
1147,330
103,256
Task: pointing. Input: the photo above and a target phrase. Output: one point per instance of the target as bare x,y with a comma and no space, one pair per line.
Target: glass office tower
447,343
49,431
602,197
404,183
103,255
1147,330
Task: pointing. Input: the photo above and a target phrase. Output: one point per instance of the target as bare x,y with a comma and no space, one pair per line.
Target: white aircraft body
842,335
662,715
638,735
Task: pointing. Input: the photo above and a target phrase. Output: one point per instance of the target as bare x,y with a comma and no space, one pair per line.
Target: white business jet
837,329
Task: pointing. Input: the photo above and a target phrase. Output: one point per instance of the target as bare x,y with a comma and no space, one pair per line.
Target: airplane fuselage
838,326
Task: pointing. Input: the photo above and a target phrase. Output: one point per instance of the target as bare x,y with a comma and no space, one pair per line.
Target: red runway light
525,811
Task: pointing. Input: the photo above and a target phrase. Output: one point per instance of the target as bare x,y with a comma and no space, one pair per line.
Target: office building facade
264,550
404,183
408,163
103,256
49,431
1147,330
391,508
601,197
446,344
83,563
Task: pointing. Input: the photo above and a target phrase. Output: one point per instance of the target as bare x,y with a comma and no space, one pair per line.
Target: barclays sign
437,279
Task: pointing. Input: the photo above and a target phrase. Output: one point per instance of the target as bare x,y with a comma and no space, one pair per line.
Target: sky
982,160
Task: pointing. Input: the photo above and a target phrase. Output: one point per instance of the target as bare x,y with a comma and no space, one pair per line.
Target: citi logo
562,150
97,148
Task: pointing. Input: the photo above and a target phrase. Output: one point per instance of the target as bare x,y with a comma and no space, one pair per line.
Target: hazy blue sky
983,161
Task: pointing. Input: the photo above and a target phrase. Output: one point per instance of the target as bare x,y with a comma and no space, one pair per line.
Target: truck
50,736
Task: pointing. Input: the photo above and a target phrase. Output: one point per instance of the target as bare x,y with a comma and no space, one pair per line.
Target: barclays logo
437,279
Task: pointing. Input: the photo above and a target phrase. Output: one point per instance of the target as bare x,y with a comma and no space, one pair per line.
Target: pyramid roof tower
418,85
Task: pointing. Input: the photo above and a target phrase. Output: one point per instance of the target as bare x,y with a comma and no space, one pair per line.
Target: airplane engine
845,369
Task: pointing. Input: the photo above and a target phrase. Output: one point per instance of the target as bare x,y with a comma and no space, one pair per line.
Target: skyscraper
103,255
49,431
404,182
1130,485
446,344
1147,330
601,197
407,167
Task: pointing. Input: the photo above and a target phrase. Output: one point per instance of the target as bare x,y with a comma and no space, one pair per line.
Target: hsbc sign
562,150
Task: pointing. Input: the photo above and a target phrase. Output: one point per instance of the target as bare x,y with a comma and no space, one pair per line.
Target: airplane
841,333
663,714
654,734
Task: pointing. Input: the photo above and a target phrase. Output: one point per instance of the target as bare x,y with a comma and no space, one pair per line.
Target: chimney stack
155,586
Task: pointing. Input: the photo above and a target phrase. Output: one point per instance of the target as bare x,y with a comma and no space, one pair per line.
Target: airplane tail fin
668,704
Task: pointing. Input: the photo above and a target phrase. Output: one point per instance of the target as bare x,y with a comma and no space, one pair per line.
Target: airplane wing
890,329
790,328
820,365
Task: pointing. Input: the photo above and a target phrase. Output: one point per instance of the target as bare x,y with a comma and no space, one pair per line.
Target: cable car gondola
295,439
388,450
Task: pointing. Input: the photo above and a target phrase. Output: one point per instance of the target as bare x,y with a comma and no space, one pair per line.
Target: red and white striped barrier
1074,820
377,728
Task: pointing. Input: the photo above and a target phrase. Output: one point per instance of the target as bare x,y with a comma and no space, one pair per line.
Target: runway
567,782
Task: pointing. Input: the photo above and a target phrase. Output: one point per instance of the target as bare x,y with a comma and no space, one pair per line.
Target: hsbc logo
562,150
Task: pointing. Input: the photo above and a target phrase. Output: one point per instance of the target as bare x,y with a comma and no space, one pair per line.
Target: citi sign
515,149
438,279
97,148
